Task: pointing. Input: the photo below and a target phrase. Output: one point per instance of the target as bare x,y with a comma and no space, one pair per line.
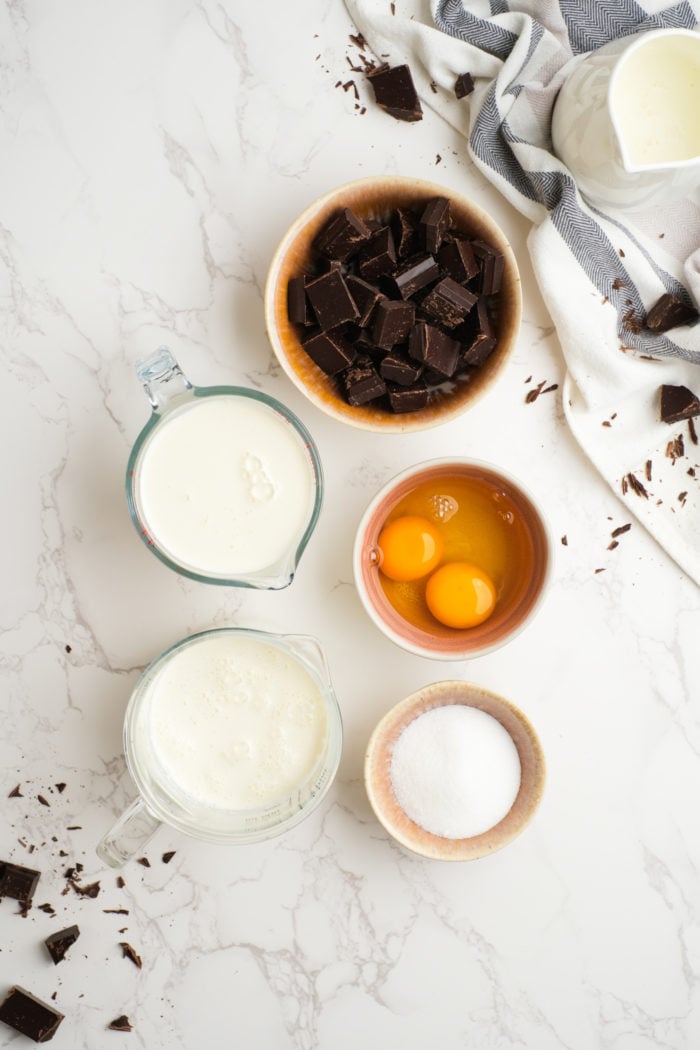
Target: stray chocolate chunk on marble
395,93
408,398
343,236
417,273
400,370
391,323
331,300
434,349
434,223
58,943
29,1016
365,296
129,953
330,351
167,857
678,403
448,302
492,265
457,259
298,307
464,85
378,257
18,882
362,383
120,1024
405,226
669,312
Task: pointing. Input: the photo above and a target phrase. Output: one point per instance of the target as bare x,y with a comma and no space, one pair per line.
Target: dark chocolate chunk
669,312
481,347
405,227
408,398
29,1016
395,93
18,882
167,857
16,793
120,1024
362,383
399,370
464,85
144,862
448,302
378,256
343,236
365,296
331,300
678,403
60,787
391,323
59,943
416,274
434,349
477,336
43,801
492,264
129,953
297,303
330,351
457,259
434,223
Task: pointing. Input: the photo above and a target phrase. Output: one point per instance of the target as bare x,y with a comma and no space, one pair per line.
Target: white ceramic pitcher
627,120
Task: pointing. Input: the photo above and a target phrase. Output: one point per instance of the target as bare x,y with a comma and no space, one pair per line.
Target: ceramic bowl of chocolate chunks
393,304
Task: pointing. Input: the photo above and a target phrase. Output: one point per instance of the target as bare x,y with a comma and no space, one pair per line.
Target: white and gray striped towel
518,53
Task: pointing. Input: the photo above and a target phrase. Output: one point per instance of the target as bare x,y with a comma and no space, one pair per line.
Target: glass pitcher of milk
231,736
627,120
224,484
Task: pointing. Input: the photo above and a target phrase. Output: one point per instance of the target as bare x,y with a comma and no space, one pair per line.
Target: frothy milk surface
225,486
235,723
656,100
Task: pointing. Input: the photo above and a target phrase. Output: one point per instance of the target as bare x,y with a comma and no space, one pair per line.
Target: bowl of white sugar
454,772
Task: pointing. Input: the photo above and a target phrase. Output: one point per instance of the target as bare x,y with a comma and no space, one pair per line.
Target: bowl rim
358,547
427,844
397,424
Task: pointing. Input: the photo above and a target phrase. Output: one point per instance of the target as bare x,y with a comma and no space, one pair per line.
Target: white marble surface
152,156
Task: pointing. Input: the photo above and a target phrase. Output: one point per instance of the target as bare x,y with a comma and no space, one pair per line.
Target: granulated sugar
455,771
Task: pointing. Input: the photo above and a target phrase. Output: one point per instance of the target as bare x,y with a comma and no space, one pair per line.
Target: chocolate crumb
24,908
120,882
69,649
606,423
129,953
599,570
74,827
691,471
647,470
392,7
618,283
144,861
564,541
115,911
433,87
675,448
53,996
60,787
621,253
120,1024
48,908
620,530
632,322
613,545
43,800
682,496
438,158
636,486
358,40
167,857
16,793
692,431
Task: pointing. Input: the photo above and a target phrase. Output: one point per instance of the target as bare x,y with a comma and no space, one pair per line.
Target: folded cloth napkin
599,272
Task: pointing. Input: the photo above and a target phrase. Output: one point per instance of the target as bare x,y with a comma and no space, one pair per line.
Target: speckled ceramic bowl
378,772
515,606
370,198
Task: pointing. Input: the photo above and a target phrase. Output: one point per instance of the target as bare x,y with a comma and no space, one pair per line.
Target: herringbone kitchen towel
599,272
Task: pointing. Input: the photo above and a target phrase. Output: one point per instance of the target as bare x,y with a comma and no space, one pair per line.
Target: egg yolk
410,547
460,595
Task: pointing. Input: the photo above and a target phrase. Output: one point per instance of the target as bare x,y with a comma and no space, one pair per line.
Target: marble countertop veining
152,156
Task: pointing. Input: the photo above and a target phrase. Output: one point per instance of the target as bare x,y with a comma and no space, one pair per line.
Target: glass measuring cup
165,799
246,498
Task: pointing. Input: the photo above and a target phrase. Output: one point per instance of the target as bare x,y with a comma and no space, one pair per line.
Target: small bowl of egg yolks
451,558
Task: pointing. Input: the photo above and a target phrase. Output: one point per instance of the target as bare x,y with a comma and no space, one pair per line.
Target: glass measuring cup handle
162,378
128,835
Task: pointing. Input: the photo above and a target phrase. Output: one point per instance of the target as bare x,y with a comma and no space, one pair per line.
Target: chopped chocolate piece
120,882
91,890
144,862
405,227
378,256
59,943
394,92
492,266
43,801
416,274
362,383
129,953
399,370
17,882
16,793
433,348
343,236
457,259
48,908
120,1024
297,303
464,85
678,403
668,312
167,857
60,788
621,529
330,351
408,398
365,296
480,348
391,323
477,322
331,300
448,302
434,223
29,1016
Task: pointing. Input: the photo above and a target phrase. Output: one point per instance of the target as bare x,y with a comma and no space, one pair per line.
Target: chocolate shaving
692,431
675,448
115,911
636,486
599,570
43,800
682,496
129,953
613,545
144,861
48,908
647,470
620,530
120,1024
60,788
564,541
16,793
618,283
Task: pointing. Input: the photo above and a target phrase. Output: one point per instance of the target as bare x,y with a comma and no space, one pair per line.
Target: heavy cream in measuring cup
225,486
235,723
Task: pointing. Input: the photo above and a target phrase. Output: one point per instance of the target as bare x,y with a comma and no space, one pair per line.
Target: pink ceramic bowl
517,599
